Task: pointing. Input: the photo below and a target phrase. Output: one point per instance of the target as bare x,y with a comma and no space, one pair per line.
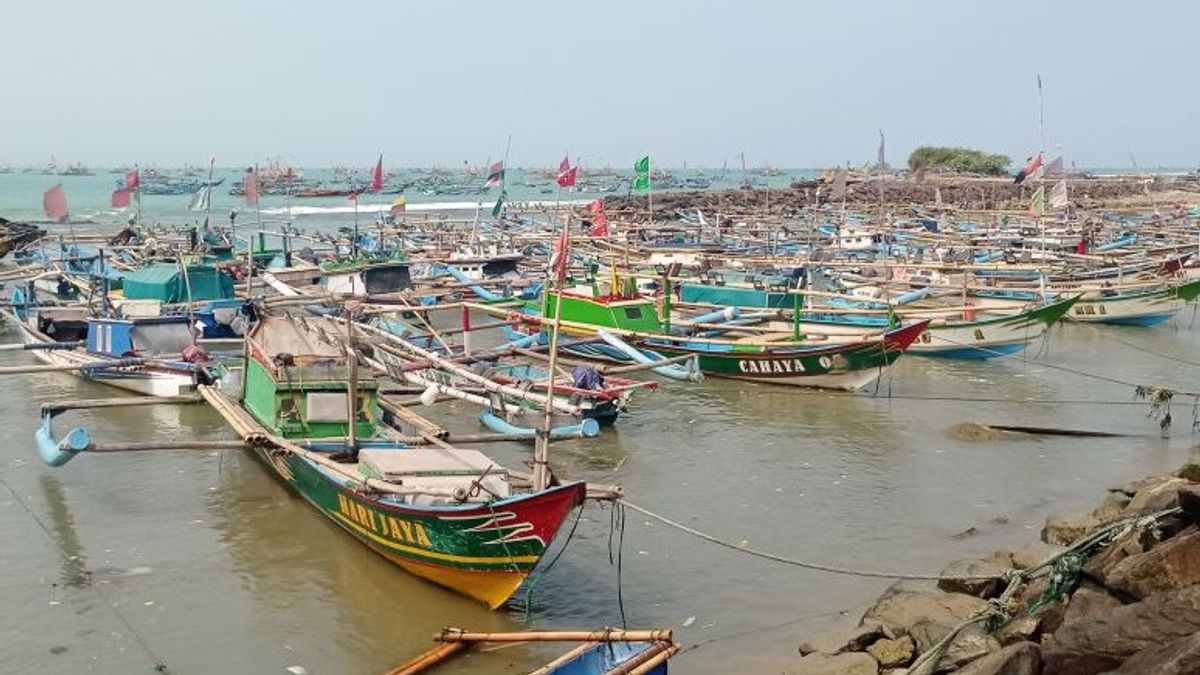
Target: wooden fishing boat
1134,308
449,515
144,355
600,652
775,358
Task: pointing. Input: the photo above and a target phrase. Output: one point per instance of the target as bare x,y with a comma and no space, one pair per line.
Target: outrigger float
447,514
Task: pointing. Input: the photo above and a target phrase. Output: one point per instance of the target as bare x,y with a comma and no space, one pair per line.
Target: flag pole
208,192
649,188
137,193
541,448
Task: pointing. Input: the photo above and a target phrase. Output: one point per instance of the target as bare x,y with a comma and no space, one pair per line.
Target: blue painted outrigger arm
587,427
55,452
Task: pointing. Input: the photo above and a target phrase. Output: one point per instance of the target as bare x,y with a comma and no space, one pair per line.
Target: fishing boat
154,356
775,358
600,652
449,515
1142,307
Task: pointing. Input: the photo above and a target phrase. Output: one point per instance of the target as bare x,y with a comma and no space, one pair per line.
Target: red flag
495,174
599,217
55,204
121,198
132,180
560,257
377,177
250,186
1034,164
353,196
566,173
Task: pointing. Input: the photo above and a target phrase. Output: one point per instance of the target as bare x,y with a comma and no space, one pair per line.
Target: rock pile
1132,607
960,192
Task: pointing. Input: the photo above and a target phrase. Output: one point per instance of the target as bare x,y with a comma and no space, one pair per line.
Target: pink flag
377,176
566,173
121,198
55,204
132,180
250,186
495,174
599,217
560,258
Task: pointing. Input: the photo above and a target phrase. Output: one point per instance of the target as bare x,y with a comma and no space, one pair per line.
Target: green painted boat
776,358
450,515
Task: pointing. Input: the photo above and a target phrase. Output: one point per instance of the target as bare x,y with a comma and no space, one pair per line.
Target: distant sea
88,196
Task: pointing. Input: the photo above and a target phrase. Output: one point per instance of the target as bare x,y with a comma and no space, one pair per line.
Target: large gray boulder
970,644
1180,657
1029,555
1100,566
1102,642
1189,501
925,614
980,578
1191,469
1157,496
1087,601
1021,658
1112,507
1171,565
836,641
850,663
1063,528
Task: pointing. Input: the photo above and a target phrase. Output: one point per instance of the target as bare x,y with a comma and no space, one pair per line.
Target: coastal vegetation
960,160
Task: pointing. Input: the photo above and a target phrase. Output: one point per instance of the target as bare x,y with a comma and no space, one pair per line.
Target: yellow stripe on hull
492,588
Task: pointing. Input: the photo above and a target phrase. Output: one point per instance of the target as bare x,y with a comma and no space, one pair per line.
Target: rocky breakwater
1116,590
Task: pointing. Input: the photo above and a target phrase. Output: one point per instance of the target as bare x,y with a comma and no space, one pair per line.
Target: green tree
962,160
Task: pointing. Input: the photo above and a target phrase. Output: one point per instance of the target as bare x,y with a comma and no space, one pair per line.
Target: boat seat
440,470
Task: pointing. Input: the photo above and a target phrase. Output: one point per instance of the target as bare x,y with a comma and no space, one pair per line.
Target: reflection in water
74,564
316,580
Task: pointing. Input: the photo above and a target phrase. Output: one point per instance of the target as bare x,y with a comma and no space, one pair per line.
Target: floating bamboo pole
128,401
429,659
608,635
94,365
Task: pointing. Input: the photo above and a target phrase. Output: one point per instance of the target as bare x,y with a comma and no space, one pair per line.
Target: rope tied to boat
796,562
1097,539
1063,568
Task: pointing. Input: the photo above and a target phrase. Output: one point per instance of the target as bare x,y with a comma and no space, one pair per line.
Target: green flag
1037,205
641,174
499,207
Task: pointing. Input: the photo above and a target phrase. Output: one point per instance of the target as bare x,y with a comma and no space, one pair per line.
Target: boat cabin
297,384
631,314
162,335
360,279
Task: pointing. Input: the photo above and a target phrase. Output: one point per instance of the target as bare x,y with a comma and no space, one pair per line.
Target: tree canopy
964,160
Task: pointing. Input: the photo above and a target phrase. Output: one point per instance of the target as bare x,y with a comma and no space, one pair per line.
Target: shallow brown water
207,564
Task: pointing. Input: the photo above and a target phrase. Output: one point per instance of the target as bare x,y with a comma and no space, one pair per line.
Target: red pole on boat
466,328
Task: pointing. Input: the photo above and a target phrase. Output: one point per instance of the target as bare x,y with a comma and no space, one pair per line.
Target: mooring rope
1109,334
806,564
159,665
1108,532
1065,369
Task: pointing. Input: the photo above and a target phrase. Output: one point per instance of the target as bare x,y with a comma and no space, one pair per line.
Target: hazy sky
790,83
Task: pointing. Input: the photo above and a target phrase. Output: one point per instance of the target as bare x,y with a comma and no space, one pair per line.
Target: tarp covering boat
166,283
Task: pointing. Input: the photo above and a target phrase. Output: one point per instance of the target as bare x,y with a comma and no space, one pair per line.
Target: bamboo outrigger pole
541,448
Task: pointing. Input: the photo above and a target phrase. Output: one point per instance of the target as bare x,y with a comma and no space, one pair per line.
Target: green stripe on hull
443,539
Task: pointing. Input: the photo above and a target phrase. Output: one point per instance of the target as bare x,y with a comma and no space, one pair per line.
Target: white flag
1058,196
200,200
